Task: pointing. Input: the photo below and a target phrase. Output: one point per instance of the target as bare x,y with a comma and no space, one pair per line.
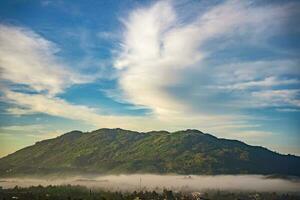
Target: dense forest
68,192
113,151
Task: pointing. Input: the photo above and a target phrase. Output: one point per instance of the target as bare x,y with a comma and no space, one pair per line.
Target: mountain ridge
124,151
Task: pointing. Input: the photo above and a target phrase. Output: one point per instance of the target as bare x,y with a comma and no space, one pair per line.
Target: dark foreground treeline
68,192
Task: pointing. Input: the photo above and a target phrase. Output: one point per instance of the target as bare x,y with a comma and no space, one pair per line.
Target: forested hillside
123,151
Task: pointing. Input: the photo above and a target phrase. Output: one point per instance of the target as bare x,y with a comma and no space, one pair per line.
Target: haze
158,182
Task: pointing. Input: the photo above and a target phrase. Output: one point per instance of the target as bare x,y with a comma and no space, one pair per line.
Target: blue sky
229,68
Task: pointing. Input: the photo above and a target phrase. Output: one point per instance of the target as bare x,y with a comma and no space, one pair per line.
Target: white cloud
39,103
36,131
287,97
54,106
32,61
288,110
158,49
27,58
265,83
254,70
31,127
258,84
18,111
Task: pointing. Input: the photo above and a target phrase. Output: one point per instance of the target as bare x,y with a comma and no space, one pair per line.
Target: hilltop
113,151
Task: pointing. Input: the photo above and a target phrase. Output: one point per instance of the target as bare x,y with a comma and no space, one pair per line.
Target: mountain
124,151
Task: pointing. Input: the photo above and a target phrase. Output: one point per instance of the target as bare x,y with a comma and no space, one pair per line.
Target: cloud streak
31,63
158,49
28,59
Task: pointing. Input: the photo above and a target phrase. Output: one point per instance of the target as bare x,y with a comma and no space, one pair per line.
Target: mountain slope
123,151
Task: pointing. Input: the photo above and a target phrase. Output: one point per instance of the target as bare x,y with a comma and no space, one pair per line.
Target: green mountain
123,151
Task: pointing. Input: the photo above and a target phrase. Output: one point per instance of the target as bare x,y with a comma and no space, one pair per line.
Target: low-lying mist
158,182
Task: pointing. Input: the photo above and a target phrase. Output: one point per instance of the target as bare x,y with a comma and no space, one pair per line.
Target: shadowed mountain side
116,151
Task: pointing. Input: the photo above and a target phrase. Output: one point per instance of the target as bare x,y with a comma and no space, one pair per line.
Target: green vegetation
68,192
121,151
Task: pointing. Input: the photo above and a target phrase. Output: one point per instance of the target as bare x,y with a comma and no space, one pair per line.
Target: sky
228,68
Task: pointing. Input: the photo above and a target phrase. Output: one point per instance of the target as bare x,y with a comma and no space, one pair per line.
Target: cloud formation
30,60
159,52
32,63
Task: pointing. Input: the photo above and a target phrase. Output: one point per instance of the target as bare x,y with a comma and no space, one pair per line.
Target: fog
158,182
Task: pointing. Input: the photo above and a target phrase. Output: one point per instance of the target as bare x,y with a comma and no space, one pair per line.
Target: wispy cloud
19,111
35,103
288,97
288,110
247,71
265,83
31,127
147,75
32,62
28,59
